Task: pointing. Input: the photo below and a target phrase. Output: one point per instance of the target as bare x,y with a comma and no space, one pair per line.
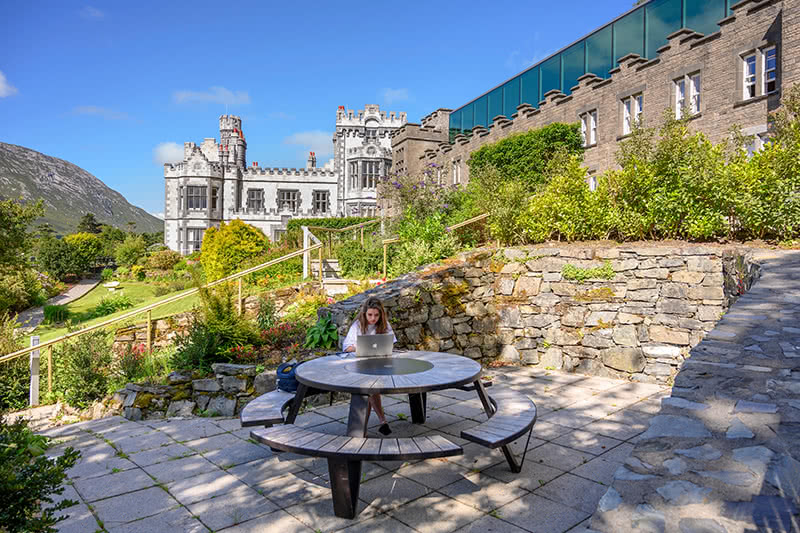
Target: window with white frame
589,128
353,174
631,112
749,76
457,172
196,197
321,201
591,180
369,174
194,239
687,94
770,70
255,199
288,200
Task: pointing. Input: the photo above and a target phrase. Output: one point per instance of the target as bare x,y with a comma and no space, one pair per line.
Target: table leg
357,418
298,401
418,402
345,479
487,405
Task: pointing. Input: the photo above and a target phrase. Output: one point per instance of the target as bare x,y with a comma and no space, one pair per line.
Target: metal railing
331,231
149,308
387,242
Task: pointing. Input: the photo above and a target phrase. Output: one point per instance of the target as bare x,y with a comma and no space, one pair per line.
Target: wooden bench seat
344,455
267,409
514,415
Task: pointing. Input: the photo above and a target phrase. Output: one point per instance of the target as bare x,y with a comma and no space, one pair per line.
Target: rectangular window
749,76
632,112
194,239
287,200
589,128
694,85
770,70
214,197
456,172
369,174
196,197
687,94
353,174
680,97
320,201
255,198
372,133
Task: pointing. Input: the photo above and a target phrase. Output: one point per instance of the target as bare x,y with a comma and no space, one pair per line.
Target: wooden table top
401,373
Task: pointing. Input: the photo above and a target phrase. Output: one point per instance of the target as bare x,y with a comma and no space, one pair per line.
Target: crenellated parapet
371,115
291,174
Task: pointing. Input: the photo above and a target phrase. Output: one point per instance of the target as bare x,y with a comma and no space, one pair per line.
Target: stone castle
214,184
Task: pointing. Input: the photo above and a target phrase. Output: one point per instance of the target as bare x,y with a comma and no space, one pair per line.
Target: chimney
312,161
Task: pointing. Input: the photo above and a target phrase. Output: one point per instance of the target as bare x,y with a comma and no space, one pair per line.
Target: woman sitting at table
371,320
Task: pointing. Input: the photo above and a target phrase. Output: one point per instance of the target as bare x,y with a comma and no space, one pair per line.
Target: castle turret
232,137
312,161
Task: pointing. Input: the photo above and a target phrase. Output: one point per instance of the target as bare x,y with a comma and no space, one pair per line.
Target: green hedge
334,222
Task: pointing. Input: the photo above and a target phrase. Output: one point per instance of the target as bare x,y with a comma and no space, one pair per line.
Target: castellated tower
232,139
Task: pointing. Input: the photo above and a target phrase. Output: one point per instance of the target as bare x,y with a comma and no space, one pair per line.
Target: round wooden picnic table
411,372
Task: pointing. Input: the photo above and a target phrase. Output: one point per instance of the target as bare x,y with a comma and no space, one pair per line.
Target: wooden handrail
24,351
392,240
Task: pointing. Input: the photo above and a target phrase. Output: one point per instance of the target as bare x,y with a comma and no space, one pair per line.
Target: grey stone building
214,184
725,63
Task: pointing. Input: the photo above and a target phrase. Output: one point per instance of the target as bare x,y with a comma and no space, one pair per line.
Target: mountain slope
68,191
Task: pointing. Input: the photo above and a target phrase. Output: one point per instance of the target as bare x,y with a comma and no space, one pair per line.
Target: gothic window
214,197
194,238
321,201
370,170
196,197
255,199
288,200
353,174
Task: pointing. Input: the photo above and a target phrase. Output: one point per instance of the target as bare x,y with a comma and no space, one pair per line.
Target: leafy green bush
87,248
138,272
129,364
107,274
523,157
198,348
129,251
359,261
164,260
415,253
14,374
57,257
20,289
83,368
580,274
55,314
267,316
109,305
323,334
226,248
28,479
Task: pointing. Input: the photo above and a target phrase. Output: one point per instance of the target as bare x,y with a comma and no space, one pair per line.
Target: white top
355,331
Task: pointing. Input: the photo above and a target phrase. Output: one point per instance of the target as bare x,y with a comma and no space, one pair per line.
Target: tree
89,224
15,241
86,249
224,250
129,251
57,258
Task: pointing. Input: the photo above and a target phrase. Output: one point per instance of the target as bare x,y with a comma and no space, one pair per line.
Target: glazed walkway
723,454
204,474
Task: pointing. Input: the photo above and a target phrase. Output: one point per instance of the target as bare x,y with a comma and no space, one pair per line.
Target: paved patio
204,474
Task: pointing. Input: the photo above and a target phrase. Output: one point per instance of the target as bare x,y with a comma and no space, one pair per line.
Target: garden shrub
86,249
129,251
109,305
323,334
412,254
227,248
164,260
267,315
138,272
360,261
129,364
20,289
107,274
198,348
14,374
28,479
81,368
523,157
55,314
57,257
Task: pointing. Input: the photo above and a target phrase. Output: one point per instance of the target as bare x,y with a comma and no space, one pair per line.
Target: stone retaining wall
516,305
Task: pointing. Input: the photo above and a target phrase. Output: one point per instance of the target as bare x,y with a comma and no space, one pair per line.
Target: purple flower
414,187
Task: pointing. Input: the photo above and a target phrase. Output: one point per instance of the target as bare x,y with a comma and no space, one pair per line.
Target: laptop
374,345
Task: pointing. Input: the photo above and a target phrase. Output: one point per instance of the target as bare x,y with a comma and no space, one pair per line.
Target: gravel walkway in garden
204,474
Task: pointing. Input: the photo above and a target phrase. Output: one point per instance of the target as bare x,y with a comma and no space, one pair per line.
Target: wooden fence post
240,295
50,368
385,246
362,235
33,364
149,330
319,255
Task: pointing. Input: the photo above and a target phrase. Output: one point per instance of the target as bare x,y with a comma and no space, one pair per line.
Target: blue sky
115,87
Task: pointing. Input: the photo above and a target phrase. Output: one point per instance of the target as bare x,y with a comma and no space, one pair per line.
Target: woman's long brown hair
373,303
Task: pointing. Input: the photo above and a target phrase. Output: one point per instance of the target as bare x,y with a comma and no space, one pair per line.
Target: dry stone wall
517,305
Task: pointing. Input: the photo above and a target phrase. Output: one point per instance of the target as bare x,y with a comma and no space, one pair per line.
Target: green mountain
68,192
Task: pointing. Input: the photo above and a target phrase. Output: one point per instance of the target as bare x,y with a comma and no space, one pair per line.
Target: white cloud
92,13
158,215
395,95
6,89
108,114
317,141
218,95
167,153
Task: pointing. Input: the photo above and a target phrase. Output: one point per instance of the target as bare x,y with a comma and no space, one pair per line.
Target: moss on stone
143,400
600,293
181,394
452,296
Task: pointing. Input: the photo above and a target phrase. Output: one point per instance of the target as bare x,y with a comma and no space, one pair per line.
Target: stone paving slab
212,478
